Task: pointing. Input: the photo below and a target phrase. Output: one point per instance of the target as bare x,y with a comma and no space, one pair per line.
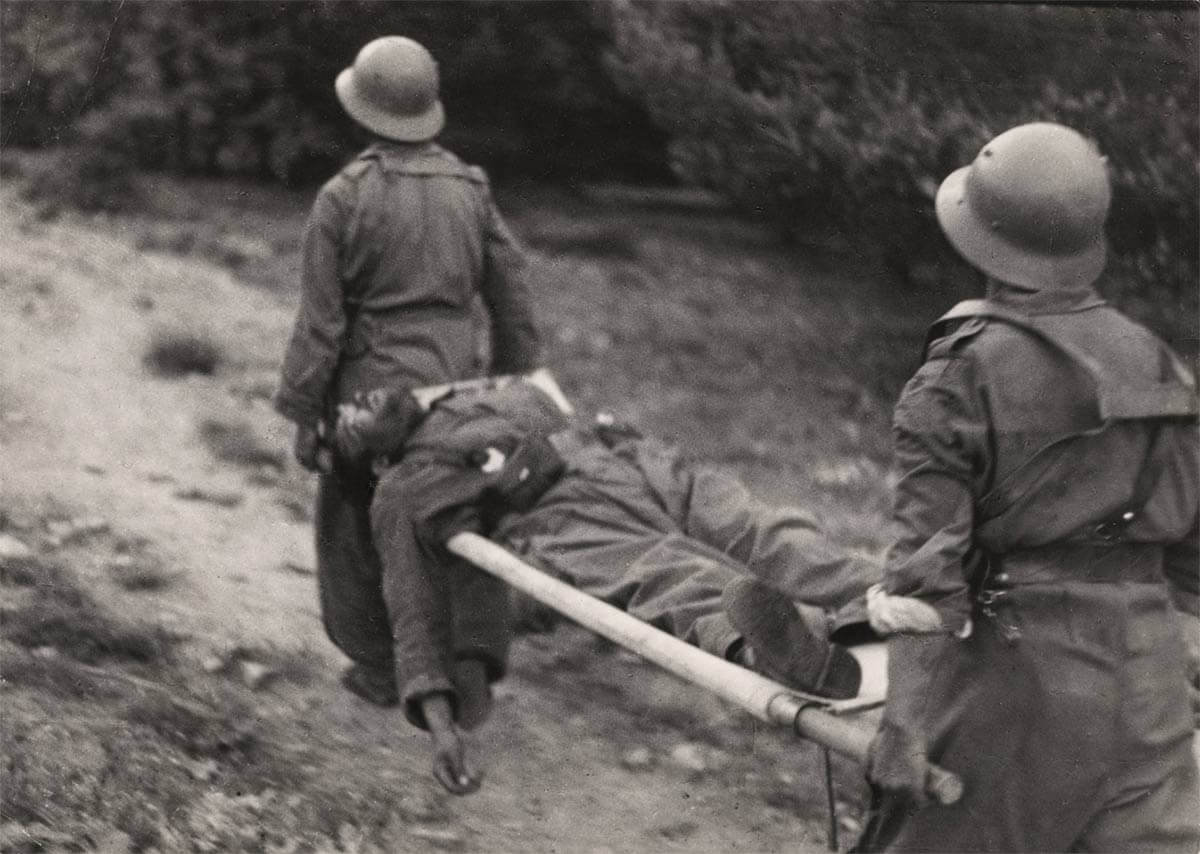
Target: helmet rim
391,120
984,247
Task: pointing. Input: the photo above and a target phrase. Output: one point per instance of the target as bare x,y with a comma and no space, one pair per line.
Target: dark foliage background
832,121
246,87
840,119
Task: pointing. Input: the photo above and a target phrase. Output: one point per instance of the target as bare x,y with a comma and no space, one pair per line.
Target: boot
374,684
783,647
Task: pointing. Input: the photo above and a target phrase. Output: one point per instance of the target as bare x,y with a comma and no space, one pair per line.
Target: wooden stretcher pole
764,699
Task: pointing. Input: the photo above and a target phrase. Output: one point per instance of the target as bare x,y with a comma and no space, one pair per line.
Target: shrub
841,119
175,353
246,88
239,444
85,177
60,615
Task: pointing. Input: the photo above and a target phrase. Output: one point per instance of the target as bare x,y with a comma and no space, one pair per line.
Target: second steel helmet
1030,209
392,90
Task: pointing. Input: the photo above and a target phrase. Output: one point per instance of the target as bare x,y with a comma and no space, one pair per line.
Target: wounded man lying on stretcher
618,516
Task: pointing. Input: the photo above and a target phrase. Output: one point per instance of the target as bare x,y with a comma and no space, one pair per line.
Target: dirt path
589,750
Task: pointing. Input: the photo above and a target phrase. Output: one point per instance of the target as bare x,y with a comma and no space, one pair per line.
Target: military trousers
349,573
1066,714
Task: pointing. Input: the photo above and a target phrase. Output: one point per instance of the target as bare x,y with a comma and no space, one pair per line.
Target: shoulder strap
1174,396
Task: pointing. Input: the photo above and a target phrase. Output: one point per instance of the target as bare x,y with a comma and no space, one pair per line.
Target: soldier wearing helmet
1049,468
398,246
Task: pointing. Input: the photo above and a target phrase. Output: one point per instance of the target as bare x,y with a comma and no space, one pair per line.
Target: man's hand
450,764
309,451
897,763
891,614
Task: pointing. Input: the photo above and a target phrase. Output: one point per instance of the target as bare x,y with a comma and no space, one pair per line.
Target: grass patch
136,568
611,242
57,676
21,572
81,633
294,666
239,444
139,575
200,732
168,239
87,177
177,353
60,616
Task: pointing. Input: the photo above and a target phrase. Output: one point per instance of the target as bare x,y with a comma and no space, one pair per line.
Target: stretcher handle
810,721
764,699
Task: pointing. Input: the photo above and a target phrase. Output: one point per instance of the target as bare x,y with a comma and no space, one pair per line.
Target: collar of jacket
1044,302
388,150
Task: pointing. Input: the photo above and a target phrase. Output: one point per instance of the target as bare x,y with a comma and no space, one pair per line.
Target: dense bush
234,87
840,119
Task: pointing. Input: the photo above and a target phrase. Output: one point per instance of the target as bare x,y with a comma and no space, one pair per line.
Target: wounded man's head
376,424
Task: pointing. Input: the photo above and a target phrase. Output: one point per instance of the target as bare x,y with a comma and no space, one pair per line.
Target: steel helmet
392,90
1030,210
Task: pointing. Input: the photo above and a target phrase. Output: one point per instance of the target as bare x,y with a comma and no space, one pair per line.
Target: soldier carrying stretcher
1047,504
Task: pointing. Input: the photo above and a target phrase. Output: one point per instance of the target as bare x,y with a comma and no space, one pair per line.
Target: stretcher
829,723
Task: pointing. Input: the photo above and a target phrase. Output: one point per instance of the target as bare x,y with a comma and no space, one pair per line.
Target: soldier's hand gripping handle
309,450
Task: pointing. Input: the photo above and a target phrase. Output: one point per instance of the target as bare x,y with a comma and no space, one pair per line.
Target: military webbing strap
1174,397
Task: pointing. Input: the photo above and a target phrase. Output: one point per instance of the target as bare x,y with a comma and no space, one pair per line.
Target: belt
1108,564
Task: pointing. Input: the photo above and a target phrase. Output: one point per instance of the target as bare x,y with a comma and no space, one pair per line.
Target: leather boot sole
784,647
373,685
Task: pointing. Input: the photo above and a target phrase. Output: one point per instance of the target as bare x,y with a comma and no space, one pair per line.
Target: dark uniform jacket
1012,439
398,245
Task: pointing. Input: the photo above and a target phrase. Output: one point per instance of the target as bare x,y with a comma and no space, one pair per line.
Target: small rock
255,675
60,528
253,803
112,840
849,825
203,770
13,549
91,468
159,477
637,759
418,808
212,664
121,561
46,652
689,756
91,526
439,837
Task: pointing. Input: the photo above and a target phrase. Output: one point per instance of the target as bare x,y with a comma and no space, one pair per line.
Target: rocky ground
166,683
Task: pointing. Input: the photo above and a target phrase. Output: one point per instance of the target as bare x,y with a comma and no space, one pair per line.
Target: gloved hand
308,450
898,760
898,764
890,614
